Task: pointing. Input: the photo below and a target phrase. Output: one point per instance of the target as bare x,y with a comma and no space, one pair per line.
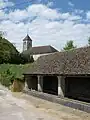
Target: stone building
37,51
27,43
66,74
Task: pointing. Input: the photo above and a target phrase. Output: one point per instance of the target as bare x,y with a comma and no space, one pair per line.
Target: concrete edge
66,102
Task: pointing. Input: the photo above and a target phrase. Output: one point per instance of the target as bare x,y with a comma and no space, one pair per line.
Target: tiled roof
40,50
70,62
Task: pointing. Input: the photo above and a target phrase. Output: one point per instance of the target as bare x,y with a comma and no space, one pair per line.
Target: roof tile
70,62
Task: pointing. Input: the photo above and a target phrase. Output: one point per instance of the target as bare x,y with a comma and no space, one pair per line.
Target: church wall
37,56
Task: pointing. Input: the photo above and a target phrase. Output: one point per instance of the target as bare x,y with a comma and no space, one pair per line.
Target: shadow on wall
50,85
78,88
32,82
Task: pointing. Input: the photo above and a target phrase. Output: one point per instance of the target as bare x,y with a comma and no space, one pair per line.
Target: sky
48,22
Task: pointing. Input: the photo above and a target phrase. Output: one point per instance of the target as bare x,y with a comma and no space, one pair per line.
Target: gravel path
24,107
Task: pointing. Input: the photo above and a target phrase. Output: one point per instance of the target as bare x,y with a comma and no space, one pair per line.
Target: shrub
6,78
10,72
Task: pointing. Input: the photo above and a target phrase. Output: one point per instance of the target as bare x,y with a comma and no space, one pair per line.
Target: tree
1,34
26,58
89,41
69,46
8,53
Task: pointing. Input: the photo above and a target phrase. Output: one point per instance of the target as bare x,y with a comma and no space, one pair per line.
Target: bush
6,78
10,72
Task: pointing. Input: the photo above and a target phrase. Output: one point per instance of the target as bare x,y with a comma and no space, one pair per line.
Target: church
38,50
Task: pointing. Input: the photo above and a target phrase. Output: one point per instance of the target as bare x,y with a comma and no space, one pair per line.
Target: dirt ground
46,110
20,106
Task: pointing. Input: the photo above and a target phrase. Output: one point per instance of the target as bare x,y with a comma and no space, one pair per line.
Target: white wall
37,56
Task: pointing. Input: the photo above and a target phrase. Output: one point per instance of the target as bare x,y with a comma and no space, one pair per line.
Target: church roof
27,38
74,62
41,50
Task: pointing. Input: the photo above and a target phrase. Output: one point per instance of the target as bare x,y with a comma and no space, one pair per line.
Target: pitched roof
70,62
41,50
27,38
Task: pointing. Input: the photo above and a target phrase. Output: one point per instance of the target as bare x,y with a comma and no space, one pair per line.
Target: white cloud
49,27
78,11
50,4
5,3
69,16
41,11
88,15
2,15
18,15
70,4
48,13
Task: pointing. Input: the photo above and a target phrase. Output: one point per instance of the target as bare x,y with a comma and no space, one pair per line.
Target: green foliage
9,72
26,58
6,77
8,53
69,46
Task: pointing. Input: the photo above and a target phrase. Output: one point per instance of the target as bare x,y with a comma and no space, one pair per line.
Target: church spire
27,43
27,38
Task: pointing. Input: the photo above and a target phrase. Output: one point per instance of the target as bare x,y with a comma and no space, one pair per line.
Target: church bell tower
27,43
